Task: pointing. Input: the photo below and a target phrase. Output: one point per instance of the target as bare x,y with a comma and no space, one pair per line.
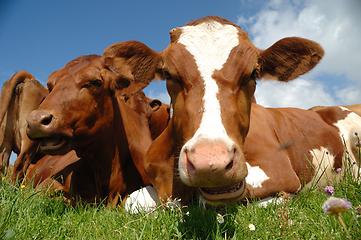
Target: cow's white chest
256,176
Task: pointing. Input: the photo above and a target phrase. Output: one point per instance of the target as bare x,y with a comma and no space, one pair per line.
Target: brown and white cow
19,96
216,143
347,120
356,108
85,111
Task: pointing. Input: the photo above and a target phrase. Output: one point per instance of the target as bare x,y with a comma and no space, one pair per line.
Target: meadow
27,214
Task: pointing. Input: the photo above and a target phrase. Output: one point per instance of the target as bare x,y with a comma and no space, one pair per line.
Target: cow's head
80,108
211,68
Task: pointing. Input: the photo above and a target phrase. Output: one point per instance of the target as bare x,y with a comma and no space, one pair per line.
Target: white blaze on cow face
210,43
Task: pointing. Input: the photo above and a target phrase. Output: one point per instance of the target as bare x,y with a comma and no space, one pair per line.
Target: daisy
251,227
220,218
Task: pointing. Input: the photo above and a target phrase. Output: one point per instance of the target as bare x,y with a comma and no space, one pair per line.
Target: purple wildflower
338,170
329,190
335,205
358,144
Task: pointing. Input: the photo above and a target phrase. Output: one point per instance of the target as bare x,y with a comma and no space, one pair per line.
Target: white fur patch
350,132
256,176
323,162
350,129
144,199
210,43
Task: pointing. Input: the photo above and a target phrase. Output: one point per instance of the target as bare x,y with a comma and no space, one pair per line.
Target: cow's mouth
228,194
55,146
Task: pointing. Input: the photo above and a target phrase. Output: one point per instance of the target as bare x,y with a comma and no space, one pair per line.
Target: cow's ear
134,62
155,104
8,89
289,58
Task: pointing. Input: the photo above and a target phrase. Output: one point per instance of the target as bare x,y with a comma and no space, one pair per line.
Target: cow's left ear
135,63
155,104
289,58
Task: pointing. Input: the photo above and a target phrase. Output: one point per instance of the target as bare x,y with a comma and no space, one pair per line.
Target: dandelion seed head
329,190
336,205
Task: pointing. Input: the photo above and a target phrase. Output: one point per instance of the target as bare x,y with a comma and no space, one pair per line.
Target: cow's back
283,143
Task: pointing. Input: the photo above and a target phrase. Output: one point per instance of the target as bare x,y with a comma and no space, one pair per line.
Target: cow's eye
93,84
97,83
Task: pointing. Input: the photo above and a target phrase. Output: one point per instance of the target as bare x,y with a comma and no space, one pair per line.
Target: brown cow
19,96
74,176
211,68
159,116
85,111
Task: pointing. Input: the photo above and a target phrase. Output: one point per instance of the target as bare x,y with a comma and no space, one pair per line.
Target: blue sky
42,36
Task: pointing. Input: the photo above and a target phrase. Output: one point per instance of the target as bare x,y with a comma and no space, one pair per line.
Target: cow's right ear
134,62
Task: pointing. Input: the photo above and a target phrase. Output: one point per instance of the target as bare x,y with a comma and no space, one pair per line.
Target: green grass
27,214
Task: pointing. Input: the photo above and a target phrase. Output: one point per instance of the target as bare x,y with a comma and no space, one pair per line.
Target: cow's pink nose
210,164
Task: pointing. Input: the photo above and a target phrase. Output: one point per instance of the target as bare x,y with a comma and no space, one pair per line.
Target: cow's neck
138,134
117,155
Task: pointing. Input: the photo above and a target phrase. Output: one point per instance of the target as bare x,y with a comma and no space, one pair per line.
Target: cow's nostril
229,166
47,120
190,167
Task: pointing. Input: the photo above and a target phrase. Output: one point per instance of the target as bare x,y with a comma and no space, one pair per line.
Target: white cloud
299,93
332,23
349,95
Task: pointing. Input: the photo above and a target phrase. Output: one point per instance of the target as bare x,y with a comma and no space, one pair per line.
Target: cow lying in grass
218,143
87,111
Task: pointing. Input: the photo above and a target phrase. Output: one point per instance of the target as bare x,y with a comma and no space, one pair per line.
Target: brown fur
109,137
